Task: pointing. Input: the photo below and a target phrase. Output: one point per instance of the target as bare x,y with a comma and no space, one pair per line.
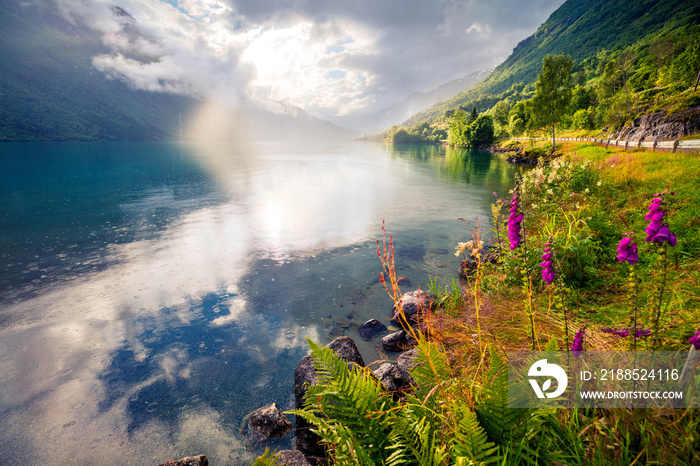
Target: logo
542,369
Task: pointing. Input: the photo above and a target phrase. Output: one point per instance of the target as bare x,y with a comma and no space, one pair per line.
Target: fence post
675,146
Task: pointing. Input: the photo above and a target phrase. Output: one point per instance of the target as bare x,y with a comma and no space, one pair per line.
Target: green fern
432,367
348,404
343,445
416,435
267,459
552,345
493,411
470,443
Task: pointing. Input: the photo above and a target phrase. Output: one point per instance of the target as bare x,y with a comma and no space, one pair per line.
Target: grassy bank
578,208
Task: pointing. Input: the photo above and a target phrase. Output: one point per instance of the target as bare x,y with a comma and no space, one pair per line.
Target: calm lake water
151,295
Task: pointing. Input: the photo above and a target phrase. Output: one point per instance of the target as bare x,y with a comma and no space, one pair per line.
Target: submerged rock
371,328
304,375
200,460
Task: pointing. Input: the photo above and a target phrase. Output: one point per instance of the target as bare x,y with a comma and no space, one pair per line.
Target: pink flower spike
672,240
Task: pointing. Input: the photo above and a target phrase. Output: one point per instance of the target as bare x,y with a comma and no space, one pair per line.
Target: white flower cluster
473,247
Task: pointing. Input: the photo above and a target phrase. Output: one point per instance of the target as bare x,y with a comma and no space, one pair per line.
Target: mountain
414,103
580,28
50,89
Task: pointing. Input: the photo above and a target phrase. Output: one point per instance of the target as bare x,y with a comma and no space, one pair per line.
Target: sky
331,58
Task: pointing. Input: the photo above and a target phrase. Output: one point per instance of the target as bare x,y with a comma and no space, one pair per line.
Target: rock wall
658,126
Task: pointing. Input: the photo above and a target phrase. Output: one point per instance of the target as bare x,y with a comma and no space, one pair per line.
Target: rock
392,377
291,458
658,126
269,421
342,322
371,328
489,254
307,441
414,305
336,331
395,341
200,460
406,362
519,159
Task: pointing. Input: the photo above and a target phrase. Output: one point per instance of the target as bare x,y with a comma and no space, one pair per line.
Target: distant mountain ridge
414,103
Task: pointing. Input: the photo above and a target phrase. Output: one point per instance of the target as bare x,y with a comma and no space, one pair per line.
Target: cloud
479,29
331,58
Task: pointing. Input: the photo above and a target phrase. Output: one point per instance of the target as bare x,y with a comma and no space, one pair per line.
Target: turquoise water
153,294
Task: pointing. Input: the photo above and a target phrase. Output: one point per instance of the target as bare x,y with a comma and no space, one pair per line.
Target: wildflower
514,221
586,190
656,231
547,269
600,182
550,192
461,247
627,251
695,340
577,345
624,333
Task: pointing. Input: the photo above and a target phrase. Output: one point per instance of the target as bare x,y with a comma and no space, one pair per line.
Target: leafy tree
581,99
500,113
401,136
583,119
552,92
457,126
474,115
466,133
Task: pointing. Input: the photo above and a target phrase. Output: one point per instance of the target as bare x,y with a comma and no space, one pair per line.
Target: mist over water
152,294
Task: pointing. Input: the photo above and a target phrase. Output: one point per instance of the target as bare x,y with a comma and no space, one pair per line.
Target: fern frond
470,443
492,411
343,445
349,397
266,459
552,345
432,367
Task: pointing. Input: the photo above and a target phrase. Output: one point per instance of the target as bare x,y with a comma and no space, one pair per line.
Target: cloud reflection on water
202,315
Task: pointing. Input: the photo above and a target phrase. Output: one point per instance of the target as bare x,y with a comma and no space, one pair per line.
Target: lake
153,294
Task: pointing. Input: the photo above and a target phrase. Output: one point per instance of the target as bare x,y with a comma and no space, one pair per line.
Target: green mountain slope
580,28
49,90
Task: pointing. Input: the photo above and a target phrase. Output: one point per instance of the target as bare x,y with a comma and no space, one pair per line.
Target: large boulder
415,304
304,375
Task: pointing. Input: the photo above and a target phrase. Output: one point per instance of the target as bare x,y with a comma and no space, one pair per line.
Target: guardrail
692,145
